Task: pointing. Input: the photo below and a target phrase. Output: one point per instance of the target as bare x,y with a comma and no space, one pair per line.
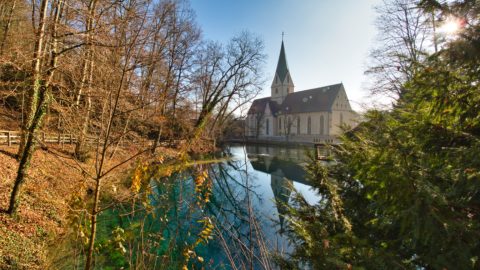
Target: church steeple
282,84
282,67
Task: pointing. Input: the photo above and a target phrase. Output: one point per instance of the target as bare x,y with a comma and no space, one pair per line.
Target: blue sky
326,41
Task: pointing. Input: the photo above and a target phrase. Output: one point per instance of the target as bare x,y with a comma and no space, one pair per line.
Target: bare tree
38,99
85,83
225,114
289,122
226,73
403,39
129,41
112,71
181,36
7,9
259,118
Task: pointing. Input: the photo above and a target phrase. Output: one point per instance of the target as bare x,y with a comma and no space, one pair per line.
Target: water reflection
268,174
248,223
284,165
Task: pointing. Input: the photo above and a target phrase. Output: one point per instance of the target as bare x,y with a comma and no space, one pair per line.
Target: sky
326,41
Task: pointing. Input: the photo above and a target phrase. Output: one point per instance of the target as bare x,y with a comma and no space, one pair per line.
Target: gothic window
322,125
279,124
288,124
267,127
276,90
298,125
309,126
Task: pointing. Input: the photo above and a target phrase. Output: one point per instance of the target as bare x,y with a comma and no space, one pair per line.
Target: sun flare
451,26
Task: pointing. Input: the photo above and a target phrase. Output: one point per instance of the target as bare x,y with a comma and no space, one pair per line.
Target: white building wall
341,109
315,123
349,118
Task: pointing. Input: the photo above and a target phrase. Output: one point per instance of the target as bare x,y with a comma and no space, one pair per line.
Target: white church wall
340,117
315,123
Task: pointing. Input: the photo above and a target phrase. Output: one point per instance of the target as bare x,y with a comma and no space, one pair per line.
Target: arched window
298,125
279,124
309,126
322,125
267,127
341,119
288,125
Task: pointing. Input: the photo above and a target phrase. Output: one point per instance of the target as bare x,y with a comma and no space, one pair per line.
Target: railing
9,137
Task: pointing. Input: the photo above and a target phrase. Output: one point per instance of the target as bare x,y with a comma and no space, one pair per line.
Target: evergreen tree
405,192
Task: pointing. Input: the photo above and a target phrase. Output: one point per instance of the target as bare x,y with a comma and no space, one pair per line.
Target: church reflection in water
241,207
285,166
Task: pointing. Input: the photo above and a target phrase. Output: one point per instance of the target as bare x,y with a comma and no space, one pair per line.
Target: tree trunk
102,157
32,101
93,221
159,132
87,77
27,154
42,99
6,28
80,151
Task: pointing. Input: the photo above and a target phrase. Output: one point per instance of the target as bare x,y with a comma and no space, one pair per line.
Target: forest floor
54,179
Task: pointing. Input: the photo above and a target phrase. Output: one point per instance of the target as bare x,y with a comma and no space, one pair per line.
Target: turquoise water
165,232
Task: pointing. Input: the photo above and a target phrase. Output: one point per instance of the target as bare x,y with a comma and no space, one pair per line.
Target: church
309,116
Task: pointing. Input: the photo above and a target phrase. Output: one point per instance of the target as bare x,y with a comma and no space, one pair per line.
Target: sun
451,26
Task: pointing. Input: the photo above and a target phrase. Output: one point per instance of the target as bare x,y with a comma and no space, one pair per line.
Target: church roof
258,106
313,100
282,67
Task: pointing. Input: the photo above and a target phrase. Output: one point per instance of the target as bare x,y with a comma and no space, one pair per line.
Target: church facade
309,116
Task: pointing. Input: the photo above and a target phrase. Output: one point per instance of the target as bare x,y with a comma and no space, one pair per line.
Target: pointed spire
282,67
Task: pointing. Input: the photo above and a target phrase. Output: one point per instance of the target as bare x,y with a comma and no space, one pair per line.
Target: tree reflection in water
163,233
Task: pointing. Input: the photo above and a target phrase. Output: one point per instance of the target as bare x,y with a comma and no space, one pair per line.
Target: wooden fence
9,137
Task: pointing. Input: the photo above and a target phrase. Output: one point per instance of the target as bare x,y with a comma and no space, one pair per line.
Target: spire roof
282,67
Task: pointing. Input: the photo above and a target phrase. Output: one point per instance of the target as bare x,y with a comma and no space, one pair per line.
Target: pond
234,223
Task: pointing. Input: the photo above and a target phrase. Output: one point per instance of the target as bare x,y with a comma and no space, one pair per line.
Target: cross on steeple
283,34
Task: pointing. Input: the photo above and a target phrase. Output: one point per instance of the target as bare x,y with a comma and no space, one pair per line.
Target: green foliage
405,193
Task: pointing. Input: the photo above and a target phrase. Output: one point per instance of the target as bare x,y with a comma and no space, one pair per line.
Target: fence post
43,138
9,138
59,137
70,138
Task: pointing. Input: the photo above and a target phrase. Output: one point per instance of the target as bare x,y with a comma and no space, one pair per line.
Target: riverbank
40,237
267,142
55,178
